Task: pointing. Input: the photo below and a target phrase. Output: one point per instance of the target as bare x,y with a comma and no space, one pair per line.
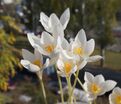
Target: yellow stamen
38,63
49,48
67,67
118,99
95,89
78,51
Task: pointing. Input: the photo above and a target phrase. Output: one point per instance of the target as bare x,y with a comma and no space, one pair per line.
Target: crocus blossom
50,23
34,62
97,86
81,48
115,96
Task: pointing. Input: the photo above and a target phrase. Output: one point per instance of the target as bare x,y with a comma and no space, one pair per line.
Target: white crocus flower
115,97
97,86
46,45
81,48
66,67
51,22
34,62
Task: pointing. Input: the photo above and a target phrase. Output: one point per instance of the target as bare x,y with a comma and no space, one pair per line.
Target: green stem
42,85
60,85
70,101
79,82
95,101
75,81
43,90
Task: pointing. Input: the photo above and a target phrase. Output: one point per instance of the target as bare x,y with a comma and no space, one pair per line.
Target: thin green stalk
95,101
43,90
79,82
39,74
75,81
70,101
60,85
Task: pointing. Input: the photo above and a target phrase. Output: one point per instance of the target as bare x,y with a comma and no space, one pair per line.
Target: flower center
67,67
38,63
49,48
118,99
78,51
95,89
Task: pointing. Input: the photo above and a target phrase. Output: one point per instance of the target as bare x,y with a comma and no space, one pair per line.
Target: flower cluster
68,57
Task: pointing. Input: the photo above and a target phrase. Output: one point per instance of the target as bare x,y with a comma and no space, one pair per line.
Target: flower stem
79,81
43,88
75,81
70,100
60,85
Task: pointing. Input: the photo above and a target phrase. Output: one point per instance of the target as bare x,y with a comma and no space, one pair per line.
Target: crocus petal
74,69
88,77
25,63
111,99
90,45
34,68
34,40
57,28
94,58
44,19
27,55
38,55
109,85
64,19
117,90
82,64
81,37
99,79
46,38
47,63
60,65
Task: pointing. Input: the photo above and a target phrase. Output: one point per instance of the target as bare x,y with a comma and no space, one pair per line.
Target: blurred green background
101,19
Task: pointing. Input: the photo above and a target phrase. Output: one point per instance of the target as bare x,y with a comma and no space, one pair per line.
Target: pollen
67,67
38,63
95,89
118,99
78,51
49,48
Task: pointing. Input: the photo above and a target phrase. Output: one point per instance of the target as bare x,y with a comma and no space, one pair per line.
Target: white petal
64,19
109,85
44,19
57,28
90,45
42,51
111,99
74,69
82,64
94,58
117,90
28,55
99,79
60,65
46,38
34,40
34,68
38,55
47,63
65,44
81,37
88,77
31,67
25,63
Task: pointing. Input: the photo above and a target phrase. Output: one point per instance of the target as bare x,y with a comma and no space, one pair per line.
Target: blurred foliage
8,58
4,99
